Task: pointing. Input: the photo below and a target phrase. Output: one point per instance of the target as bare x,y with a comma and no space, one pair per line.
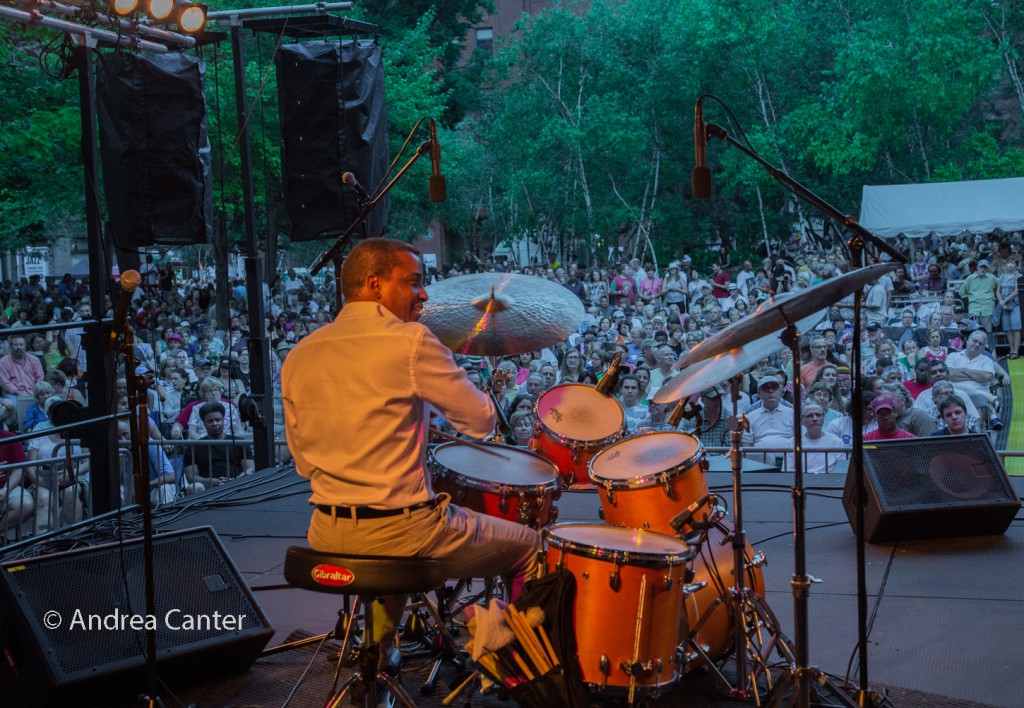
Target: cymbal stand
799,674
749,613
860,237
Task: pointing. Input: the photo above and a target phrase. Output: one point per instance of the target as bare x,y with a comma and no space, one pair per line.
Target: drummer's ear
373,285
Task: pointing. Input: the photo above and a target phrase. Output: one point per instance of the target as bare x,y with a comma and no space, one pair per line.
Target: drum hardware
683,518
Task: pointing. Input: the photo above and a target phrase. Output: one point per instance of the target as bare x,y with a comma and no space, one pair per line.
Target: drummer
357,398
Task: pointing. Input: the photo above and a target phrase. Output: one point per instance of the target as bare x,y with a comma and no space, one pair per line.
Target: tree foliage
577,132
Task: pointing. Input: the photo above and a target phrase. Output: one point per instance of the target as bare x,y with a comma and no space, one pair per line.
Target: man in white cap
769,420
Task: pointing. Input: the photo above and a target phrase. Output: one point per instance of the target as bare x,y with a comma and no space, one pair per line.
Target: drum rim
445,472
649,480
628,557
586,442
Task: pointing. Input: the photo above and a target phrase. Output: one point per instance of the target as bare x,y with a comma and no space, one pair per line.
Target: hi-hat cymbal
498,314
710,372
776,314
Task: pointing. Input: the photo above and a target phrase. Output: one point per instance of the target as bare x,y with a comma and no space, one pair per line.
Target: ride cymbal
499,314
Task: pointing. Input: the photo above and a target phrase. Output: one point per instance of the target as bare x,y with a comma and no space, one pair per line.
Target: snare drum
706,609
647,480
575,421
498,480
628,614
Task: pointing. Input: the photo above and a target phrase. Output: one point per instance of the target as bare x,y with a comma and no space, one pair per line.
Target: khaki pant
470,545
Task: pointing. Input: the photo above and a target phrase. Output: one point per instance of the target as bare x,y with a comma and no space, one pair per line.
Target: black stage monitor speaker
73,625
938,487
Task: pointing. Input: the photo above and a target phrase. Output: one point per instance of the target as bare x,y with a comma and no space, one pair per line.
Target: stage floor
945,616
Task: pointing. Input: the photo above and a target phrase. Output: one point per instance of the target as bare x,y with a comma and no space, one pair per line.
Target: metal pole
317,8
259,350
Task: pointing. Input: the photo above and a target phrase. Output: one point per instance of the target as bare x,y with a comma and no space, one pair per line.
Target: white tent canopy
943,208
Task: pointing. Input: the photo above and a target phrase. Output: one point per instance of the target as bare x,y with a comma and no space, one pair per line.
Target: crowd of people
928,361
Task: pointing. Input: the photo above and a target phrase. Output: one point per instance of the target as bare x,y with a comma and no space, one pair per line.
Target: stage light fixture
125,7
191,17
160,10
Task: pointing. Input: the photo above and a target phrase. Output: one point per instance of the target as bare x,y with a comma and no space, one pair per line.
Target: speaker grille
192,580
944,470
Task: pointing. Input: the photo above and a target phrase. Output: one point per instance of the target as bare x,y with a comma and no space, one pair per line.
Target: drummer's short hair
374,256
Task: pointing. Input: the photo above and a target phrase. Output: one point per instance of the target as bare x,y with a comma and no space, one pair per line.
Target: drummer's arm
438,380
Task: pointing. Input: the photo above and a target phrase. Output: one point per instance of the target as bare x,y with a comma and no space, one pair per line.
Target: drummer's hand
498,382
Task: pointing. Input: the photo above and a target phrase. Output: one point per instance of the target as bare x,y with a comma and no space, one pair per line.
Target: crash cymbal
775,314
498,314
705,374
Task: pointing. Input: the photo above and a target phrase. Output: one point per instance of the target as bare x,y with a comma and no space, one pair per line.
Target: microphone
437,185
700,179
130,280
688,410
611,376
349,180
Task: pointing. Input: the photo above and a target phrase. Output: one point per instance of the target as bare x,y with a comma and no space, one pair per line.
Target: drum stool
366,578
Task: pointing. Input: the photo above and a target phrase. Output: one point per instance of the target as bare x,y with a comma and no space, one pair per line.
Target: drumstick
547,645
458,689
471,443
535,618
522,665
524,622
523,634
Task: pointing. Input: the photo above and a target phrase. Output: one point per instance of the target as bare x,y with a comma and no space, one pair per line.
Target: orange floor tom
628,614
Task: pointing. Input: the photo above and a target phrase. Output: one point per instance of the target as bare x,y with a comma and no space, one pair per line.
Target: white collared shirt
358,394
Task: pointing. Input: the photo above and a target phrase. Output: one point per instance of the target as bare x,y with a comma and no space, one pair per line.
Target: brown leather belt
366,512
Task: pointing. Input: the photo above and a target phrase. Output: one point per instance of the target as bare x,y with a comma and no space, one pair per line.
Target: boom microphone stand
333,253
800,581
138,422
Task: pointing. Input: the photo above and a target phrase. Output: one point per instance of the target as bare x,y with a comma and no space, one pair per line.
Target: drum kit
665,585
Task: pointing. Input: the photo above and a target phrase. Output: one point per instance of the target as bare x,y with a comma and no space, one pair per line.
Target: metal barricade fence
46,499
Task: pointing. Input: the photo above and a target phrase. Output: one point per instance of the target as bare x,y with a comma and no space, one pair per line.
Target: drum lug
639,668
606,665
614,580
524,507
574,451
610,492
460,496
553,514
503,501
668,582
666,484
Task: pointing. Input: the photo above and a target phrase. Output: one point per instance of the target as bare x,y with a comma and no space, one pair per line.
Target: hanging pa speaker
73,626
333,120
939,487
154,147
